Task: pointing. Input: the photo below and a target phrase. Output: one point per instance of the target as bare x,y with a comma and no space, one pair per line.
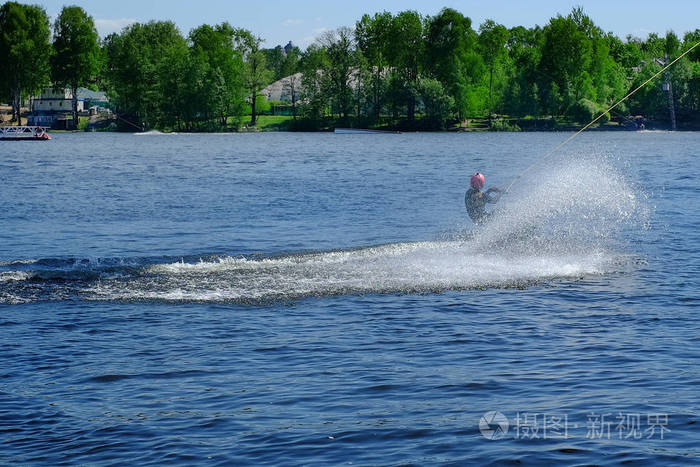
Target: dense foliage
24,52
400,70
159,79
76,58
443,71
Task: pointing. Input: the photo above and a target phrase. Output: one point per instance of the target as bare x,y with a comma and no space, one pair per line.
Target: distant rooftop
84,93
279,90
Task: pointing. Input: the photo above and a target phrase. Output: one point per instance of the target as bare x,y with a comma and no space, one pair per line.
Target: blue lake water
323,299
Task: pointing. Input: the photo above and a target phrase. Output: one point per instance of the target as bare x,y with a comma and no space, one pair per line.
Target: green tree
437,104
25,51
290,65
628,53
492,41
672,44
373,37
405,53
524,51
650,100
290,72
137,67
684,76
177,73
689,40
450,55
576,57
255,73
314,84
566,53
76,58
222,92
274,61
690,101
654,46
341,61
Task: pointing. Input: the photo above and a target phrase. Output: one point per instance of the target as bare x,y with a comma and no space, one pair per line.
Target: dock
23,133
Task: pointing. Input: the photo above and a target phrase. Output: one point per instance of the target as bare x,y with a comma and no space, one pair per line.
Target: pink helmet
478,181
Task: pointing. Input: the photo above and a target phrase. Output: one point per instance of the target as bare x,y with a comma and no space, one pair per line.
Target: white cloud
291,22
108,26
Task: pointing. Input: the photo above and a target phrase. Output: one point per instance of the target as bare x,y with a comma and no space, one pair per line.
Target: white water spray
564,224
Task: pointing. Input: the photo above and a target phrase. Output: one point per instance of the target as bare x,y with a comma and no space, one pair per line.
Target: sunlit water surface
323,299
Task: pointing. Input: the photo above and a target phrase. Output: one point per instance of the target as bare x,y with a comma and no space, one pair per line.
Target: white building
59,101
282,90
56,105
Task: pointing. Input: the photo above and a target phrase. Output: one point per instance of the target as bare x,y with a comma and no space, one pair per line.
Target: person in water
475,200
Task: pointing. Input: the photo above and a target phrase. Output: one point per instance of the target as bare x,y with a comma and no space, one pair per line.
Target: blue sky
300,21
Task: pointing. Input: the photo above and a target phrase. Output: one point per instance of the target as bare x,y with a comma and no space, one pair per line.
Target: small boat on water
23,133
360,131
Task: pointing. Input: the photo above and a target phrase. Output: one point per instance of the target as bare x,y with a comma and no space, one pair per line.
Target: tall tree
292,83
628,53
672,45
373,36
524,49
405,56
689,40
274,61
566,55
492,41
255,72
341,62
177,74
76,58
223,91
136,61
654,46
690,102
314,84
450,55
24,52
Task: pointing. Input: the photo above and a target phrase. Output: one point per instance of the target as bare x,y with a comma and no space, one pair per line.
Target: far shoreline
287,124
160,132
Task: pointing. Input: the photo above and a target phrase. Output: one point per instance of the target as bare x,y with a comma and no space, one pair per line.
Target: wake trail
572,225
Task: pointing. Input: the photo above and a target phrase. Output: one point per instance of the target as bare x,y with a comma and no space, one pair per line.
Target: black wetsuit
476,205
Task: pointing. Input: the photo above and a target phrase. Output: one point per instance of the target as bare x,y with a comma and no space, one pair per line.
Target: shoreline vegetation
398,72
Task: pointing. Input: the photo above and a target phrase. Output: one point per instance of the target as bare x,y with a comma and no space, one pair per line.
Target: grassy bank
273,122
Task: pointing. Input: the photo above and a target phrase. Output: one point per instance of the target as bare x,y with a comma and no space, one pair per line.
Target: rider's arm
493,194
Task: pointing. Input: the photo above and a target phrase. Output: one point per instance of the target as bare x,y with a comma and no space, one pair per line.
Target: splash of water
567,223
575,206
403,267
